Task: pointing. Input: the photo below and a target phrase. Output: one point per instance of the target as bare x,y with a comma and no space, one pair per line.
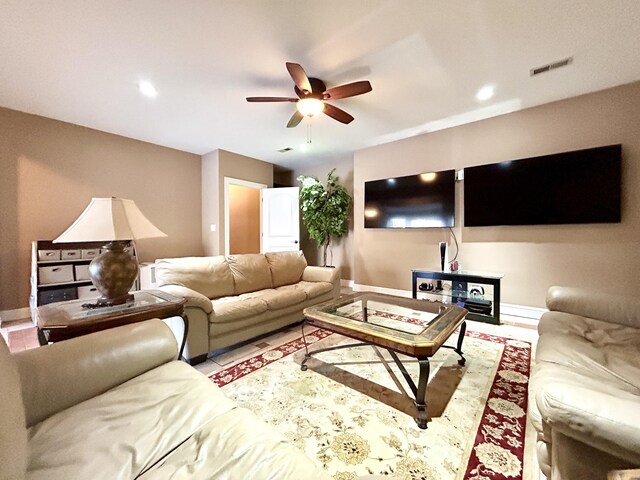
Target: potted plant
325,209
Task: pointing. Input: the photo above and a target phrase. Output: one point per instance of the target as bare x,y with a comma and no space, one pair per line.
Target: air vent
551,66
285,150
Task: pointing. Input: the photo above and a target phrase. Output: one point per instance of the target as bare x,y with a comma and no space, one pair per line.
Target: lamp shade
110,219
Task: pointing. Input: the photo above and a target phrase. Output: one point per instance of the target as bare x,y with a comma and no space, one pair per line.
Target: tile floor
20,335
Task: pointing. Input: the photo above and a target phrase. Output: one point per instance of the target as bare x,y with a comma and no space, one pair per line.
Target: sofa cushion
543,373
125,431
250,272
312,289
603,353
286,267
210,276
602,417
278,299
230,309
13,432
586,383
256,452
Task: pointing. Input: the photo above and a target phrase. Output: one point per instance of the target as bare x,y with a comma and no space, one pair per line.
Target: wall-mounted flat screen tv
583,186
415,201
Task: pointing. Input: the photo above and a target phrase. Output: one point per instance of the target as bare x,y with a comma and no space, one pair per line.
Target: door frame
242,183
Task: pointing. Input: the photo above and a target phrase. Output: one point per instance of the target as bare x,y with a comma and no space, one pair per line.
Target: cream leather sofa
116,405
585,386
234,298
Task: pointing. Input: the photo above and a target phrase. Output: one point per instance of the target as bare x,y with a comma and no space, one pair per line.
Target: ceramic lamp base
113,273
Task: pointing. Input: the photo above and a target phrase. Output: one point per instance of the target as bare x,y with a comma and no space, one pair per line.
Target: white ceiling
80,61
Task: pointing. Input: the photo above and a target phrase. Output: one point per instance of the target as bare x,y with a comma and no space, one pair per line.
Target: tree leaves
325,209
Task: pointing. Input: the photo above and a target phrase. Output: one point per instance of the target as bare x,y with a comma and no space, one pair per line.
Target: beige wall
216,166
50,171
244,219
604,257
210,204
283,177
341,250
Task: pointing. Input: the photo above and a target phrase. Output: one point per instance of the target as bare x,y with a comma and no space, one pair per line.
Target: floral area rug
349,411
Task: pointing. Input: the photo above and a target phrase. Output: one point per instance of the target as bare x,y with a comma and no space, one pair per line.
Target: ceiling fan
312,96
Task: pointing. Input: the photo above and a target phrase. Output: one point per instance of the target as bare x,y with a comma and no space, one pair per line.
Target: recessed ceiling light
485,93
147,89
303,147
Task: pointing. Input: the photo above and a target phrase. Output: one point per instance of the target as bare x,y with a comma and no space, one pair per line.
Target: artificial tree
325,210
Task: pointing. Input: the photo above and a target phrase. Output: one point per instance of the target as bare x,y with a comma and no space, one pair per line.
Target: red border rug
498,448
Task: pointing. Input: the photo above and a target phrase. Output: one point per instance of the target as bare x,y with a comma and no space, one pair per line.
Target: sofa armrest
194,299
57,376
321,274
619,309
600,419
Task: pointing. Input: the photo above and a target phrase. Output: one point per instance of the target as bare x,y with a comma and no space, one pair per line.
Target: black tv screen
415,201
583,186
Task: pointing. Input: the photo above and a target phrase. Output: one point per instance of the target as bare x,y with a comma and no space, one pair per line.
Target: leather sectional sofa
234,298
585,386
116,405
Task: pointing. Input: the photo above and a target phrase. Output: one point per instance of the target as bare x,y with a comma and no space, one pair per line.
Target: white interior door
280,219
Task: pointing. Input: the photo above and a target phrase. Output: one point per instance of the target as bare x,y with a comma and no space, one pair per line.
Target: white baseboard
527,315
386,291
346,283
522,311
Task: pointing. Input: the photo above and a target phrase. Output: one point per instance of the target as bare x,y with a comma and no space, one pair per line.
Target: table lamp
113,221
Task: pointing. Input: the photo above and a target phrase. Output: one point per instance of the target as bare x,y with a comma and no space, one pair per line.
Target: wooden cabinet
59,271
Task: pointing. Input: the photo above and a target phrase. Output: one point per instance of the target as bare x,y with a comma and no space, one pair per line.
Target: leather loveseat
115,405
585,386
234,298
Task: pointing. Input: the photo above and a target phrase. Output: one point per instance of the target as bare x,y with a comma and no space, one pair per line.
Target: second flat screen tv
415,201
583,186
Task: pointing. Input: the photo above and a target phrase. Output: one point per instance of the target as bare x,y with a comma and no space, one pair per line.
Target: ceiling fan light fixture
310,107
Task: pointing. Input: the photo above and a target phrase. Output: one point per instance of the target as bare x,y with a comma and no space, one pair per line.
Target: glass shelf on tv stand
449,294
456,289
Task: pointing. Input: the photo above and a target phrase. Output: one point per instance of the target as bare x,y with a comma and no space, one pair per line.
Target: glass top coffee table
416,328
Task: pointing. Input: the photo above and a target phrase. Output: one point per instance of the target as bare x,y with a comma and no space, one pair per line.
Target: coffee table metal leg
420,391
303,367
463,330
42,337
458,348
421,403
184,336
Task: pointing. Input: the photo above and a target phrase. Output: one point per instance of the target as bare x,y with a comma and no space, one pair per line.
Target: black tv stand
483,308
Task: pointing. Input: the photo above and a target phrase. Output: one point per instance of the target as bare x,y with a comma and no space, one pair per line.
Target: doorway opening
242,216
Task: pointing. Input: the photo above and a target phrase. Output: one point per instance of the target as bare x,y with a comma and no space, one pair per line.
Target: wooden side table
64,320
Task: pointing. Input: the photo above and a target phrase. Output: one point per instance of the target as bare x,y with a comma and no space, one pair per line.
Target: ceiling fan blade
271,99
295,120
337,114
299,76
348,90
